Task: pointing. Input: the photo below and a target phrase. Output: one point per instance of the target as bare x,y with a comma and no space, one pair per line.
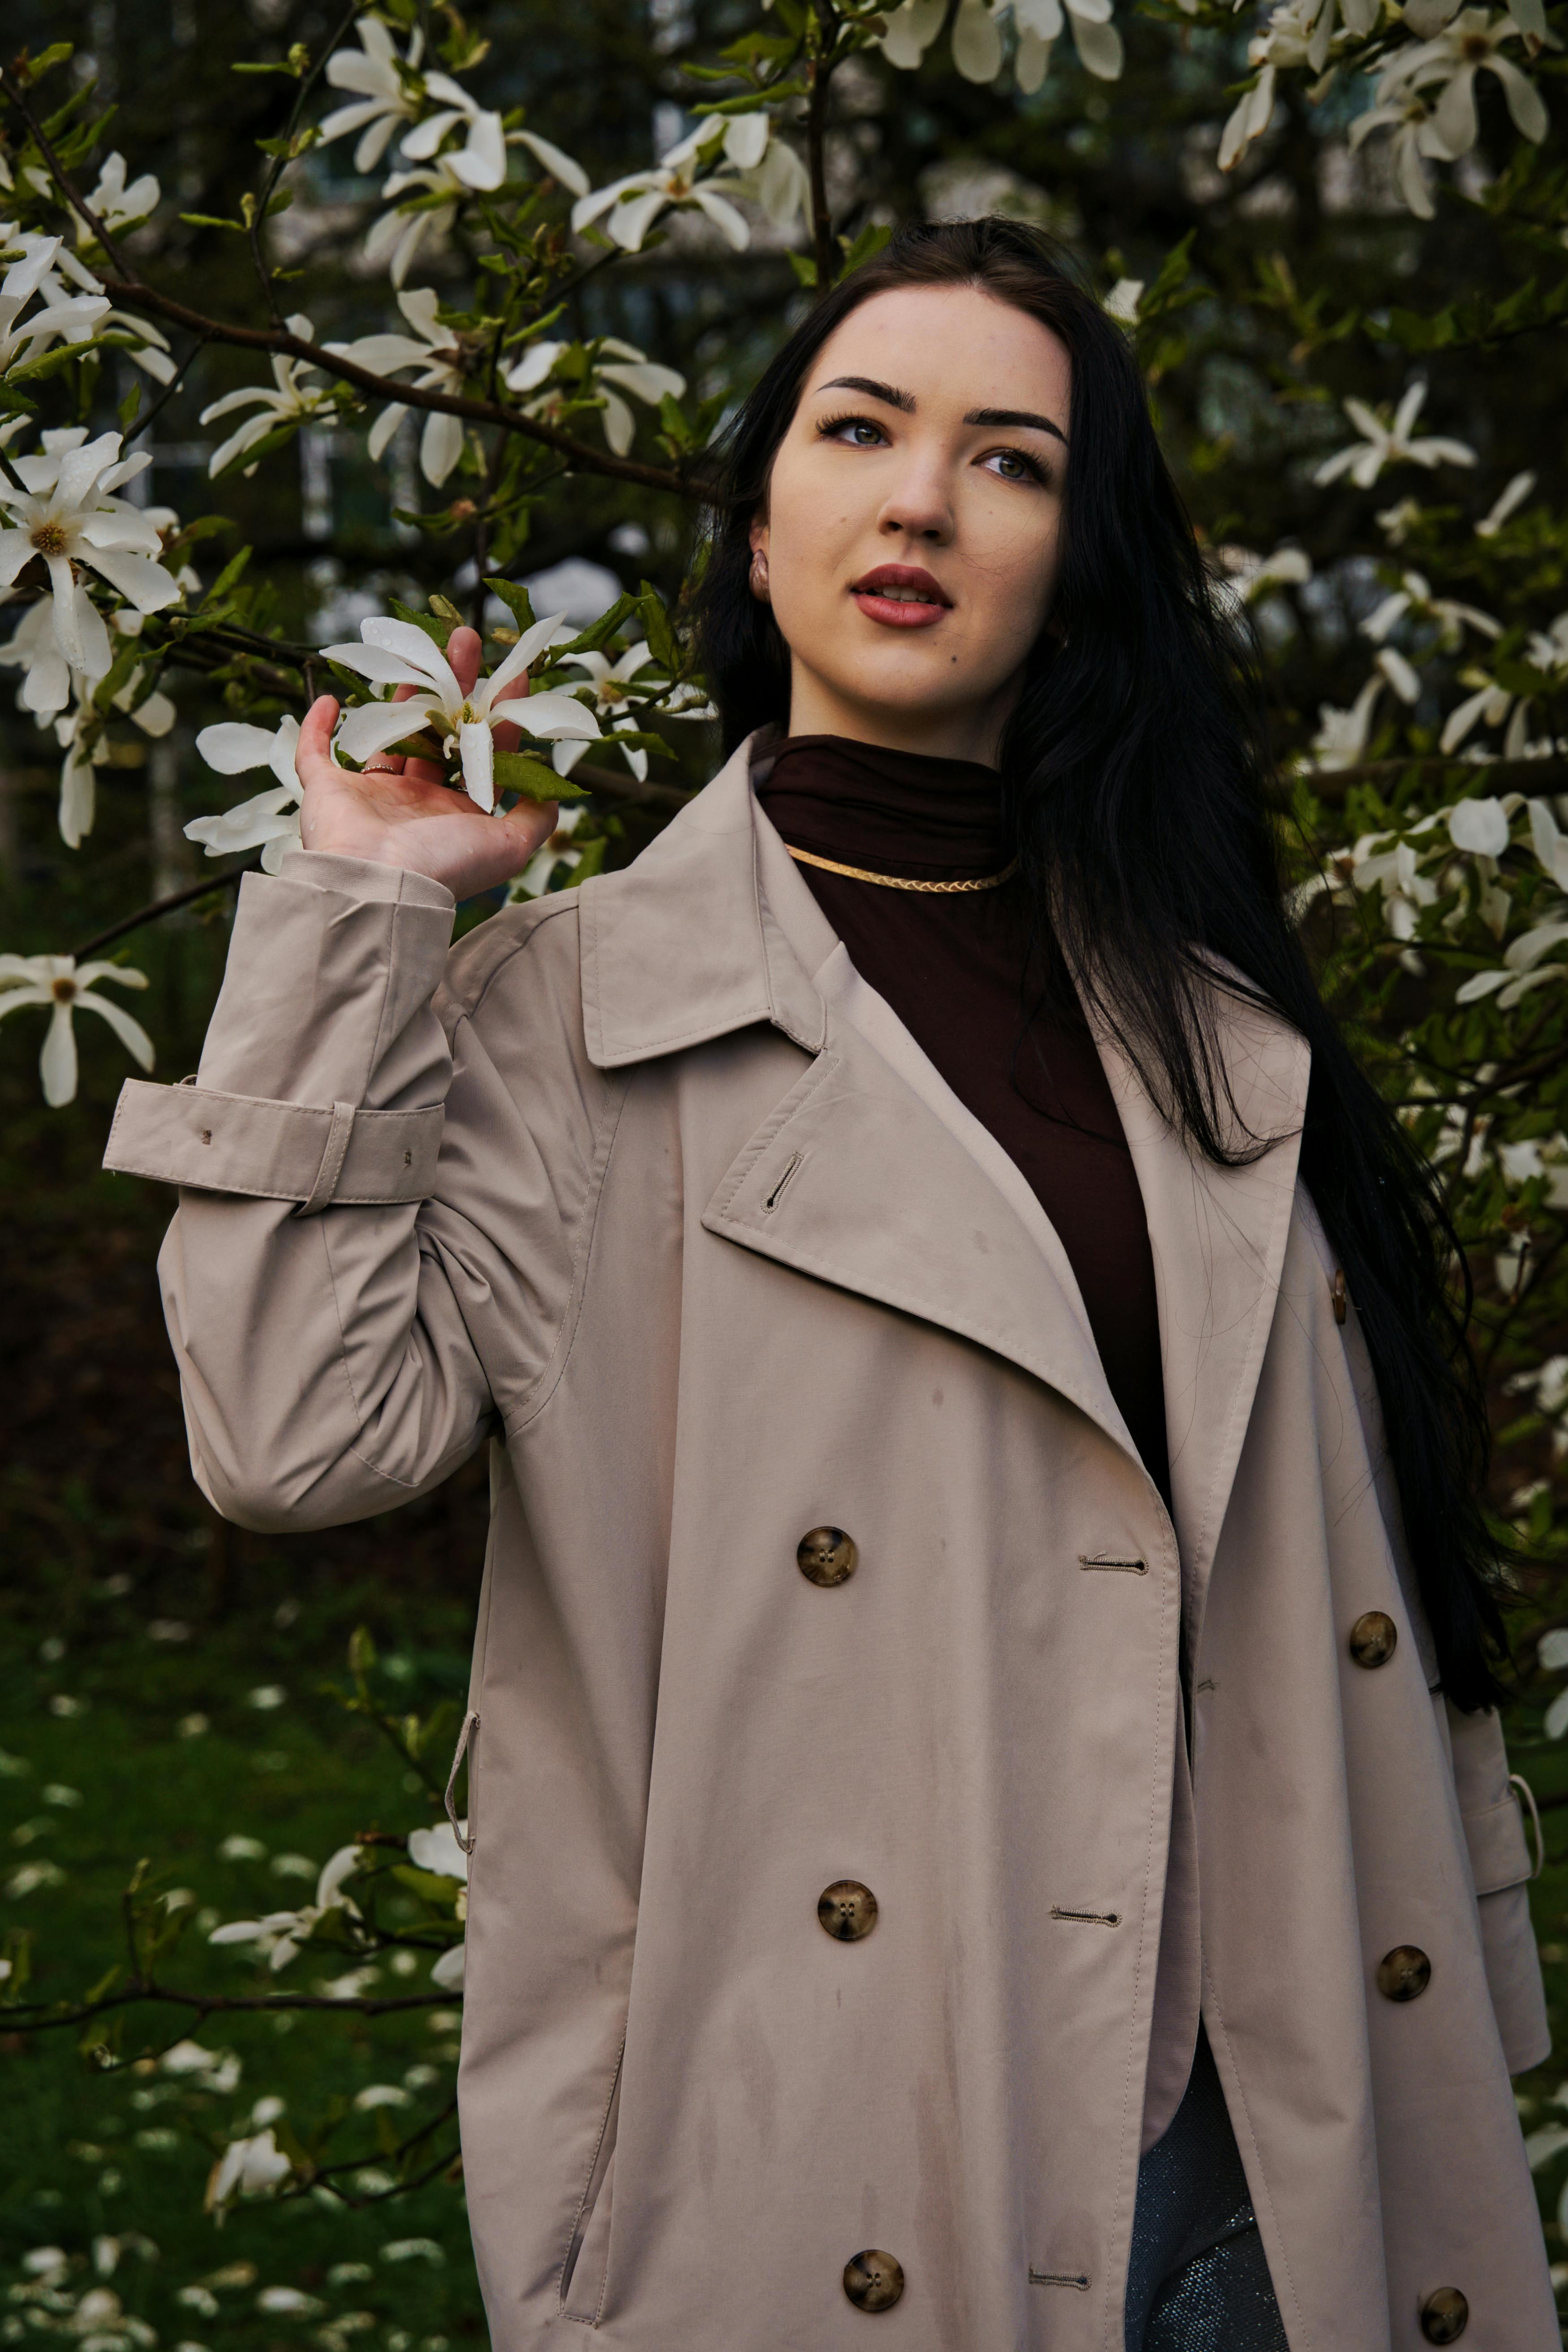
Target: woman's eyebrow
894,398
889,393
1013,417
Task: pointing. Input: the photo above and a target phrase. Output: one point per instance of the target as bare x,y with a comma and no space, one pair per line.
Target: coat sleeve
354,1296
1501,1867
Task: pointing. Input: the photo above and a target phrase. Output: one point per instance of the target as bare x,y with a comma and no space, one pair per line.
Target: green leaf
656,628
516,600
435,627
13,403
523,773
429,1884
589,862
804,267
639,739
130,408
868,242
33,370
229,575
279,437
361,1650
446,610
598,633
32,69
210,220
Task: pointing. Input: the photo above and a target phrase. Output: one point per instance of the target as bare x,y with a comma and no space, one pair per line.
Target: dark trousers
1198,2281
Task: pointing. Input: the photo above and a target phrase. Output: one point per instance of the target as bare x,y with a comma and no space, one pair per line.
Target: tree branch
229,879
25,2017
131,293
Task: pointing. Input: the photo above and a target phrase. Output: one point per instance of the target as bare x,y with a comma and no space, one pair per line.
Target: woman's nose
920,507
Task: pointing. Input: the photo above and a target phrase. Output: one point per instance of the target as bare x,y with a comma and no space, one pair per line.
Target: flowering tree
1337,234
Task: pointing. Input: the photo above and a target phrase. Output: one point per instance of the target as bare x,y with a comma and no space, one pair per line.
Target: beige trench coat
623,1187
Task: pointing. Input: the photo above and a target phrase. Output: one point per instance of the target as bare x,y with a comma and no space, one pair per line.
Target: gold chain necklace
902,882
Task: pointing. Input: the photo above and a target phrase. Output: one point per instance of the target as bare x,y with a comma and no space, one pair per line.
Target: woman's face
912,517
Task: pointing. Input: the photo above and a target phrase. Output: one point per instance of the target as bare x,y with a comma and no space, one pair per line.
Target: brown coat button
873,2281
1372,1639
847,1910
826,1556
1402,1975
1445,2315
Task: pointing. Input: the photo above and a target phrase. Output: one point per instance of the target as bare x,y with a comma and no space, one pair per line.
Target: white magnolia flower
448,1970
65,512
1491,704
1415,596
481,161
1389,445
1524,968
1417,139
611,683
437,1850
626,366
34,649
437,353
978,48
1479,826
57,981
247,2167
381,2095
1396,872
64,317
270,821
1244,575
278,1935
382,99
535,878
80,733
117,206
1122,300
1299,33
396,238
150,348
288,395
1548,649
1467,47
1498,513
1341,739
396,653
635,203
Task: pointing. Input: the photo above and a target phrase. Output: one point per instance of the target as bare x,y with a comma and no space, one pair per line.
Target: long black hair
1138,776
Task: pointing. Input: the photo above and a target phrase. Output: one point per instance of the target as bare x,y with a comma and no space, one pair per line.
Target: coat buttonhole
777,1194
1088,1918
1058,2278
1102,1560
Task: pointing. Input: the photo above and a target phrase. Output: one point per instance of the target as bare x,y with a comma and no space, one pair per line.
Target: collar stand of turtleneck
901,813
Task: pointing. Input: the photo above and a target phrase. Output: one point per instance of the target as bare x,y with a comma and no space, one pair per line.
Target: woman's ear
758,539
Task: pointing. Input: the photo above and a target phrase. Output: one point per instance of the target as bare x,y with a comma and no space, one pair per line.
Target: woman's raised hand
399,813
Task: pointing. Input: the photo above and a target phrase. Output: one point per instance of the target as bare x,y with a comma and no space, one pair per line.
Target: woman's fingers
463,651
314,749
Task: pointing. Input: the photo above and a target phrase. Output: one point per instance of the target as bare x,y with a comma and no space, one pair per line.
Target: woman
939,1496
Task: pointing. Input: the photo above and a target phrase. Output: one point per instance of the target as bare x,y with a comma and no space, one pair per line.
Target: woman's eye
1014,467
854,432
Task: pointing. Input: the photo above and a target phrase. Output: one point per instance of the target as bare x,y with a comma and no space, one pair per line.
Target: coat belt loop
1517,1780
333,1154
470,1725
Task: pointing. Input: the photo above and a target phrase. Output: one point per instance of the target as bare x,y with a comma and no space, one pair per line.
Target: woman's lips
901,596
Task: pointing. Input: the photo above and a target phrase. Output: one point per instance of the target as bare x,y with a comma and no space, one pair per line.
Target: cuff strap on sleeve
320,1155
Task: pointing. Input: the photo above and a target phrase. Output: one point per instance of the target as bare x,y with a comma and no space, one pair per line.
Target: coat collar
893,1192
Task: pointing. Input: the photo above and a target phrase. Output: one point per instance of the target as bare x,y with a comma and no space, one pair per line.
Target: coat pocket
586,2270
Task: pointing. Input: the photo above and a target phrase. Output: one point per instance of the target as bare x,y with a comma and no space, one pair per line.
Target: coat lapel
856,1179
1218,1238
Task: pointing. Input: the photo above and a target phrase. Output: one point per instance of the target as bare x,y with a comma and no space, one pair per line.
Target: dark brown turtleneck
952,966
